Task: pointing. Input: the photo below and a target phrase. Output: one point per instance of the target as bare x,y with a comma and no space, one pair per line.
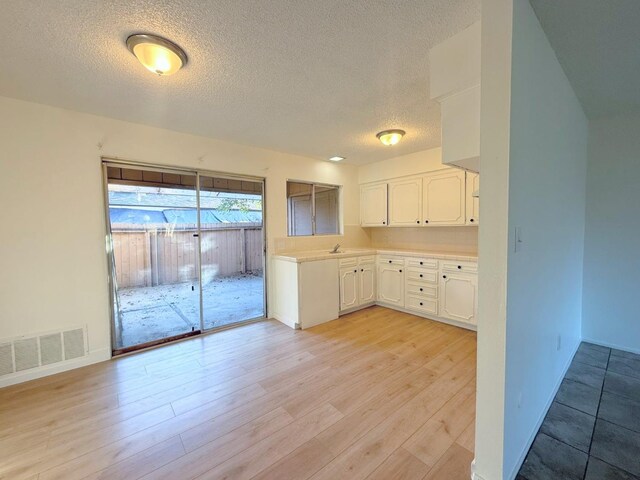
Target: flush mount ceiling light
336,158
157,54
390,137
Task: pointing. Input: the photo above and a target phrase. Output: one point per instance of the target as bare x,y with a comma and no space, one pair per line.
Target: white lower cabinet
307,293
421,285
357,282
367,290
348,288
391,281
459,294
443,290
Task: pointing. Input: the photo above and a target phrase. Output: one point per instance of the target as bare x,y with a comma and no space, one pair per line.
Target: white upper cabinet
373,205
440,198
473,202
405,205
443,198
455,83
460,122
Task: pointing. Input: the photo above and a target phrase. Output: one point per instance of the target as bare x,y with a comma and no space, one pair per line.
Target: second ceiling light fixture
390,137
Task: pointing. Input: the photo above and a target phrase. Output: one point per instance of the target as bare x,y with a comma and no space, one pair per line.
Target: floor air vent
27,352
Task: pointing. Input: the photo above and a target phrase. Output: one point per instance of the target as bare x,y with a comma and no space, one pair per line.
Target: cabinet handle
355,271
421,289
459,267
444,276
384,223
471,220
421,263
420,275
426,221
420,303
362,269
400,271
418,222
389,261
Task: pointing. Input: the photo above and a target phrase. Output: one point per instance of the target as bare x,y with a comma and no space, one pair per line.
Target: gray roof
140,216
184,200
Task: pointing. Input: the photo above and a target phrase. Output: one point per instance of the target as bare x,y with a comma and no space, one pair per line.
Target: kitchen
427,200
441,285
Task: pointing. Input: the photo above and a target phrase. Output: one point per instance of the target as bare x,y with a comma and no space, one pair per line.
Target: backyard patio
151,313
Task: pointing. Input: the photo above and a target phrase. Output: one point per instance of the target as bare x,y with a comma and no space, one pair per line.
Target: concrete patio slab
152,313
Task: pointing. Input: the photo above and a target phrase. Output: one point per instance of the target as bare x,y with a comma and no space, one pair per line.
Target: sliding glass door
186,253
232,251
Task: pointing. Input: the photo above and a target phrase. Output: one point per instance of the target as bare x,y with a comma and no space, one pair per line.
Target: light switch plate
518,240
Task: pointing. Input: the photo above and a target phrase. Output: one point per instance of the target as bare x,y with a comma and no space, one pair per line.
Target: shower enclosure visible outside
157,249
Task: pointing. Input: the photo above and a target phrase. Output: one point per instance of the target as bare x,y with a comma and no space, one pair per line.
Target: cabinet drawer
348,262
424,305
390,260
366,260
422,290
422,276
422,262
467,267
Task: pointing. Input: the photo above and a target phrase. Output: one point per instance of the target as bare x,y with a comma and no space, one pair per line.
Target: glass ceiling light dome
157,54
390,137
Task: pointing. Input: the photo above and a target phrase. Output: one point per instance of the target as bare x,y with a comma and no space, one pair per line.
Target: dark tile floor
592,430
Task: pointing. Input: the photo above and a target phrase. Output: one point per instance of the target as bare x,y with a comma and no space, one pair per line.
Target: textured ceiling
598,44
316,78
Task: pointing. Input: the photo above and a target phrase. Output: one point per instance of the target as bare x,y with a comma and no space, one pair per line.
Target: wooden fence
158,255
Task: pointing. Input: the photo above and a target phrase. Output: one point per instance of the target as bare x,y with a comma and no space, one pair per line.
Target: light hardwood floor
377,394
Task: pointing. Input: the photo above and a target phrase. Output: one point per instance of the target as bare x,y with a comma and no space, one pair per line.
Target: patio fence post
153,247
243,251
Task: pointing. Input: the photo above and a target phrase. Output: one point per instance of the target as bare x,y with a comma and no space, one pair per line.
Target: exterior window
313,209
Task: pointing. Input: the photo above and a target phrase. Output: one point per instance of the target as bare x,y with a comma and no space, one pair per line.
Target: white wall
493,237
463,239
53,269
546,187
547,175
611,265
402,165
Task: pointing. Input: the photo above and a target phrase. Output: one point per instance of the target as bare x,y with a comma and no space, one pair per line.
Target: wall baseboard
611,345
532,437
474,475
24,376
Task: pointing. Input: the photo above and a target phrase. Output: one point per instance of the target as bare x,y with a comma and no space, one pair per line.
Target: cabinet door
443,198
391,285
367,290
458,297
348,288
405,202
373,205
473,203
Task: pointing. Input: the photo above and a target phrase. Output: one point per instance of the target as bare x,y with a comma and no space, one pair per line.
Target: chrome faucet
335,249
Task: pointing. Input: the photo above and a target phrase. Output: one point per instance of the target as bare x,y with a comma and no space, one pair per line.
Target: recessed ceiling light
336,158
390,137
157,54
